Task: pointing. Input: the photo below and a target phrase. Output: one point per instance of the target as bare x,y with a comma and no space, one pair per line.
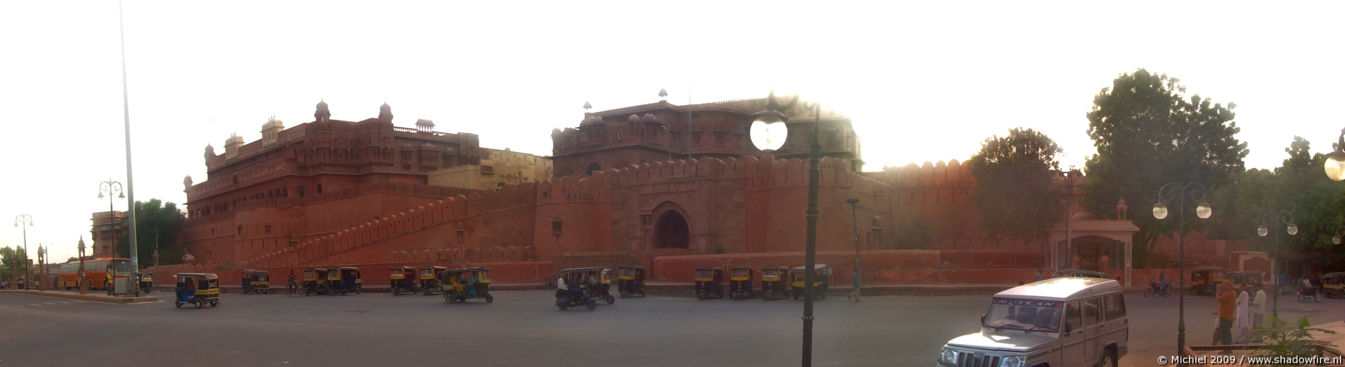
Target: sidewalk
687,289
96,296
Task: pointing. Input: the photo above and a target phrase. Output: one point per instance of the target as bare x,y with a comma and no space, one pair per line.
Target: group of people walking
1240,312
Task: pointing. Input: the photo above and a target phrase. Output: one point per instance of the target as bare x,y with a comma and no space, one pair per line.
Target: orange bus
95,272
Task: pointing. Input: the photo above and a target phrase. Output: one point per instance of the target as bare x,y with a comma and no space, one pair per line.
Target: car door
1092,330
1073,342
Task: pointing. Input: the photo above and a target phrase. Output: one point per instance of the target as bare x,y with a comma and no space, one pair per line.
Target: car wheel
1108,360
490,298
591,305
177,304
610,299
562,306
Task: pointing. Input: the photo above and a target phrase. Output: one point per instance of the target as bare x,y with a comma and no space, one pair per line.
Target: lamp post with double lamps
768,132
1334,164
23,221
1269,218
1181,193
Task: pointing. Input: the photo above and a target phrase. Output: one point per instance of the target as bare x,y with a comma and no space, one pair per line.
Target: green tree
1314,203
154,218
1147,133
10,261
1016,190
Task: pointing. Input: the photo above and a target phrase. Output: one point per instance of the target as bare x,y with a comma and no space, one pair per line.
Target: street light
1270,217
111,188
23,221
768,132
1181,193
1335,161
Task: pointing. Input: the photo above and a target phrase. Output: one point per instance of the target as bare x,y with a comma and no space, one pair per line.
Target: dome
650,117
233,139
385,112
272,122
633,118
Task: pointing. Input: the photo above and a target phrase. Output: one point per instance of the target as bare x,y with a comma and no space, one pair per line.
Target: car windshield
1024,314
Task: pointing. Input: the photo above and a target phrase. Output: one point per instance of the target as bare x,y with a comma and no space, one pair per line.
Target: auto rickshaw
578,282
630,280
1246,280
773,282
256,281
429,278
146,282
740,282
707,282
459,285
315,281
402,279
821,280
197,288
1333,284
1204,279
344,279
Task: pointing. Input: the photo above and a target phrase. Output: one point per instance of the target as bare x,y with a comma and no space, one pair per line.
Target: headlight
948,355
1011,361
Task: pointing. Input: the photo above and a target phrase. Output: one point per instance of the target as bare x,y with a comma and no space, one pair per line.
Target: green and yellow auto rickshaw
708,279
630,280
740,282
146,282
821,280
315,281
1333,284
1248,281
256,281
343,279
429,278
402,279
1204,279
196,288
460,285
773,282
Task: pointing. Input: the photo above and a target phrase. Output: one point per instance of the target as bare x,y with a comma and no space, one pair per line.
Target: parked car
1066,321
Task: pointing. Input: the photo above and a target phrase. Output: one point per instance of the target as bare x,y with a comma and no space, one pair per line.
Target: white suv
1056,322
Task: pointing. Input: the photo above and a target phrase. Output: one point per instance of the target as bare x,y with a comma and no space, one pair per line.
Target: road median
91,296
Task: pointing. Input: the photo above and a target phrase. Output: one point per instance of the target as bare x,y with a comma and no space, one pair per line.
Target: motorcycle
1157,289
1309,294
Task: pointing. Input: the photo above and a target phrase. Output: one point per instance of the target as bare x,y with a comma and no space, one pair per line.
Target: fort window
319,188
299,191
240,230
672,231
593,167
268,229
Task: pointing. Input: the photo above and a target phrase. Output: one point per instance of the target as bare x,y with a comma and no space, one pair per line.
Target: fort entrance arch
671,227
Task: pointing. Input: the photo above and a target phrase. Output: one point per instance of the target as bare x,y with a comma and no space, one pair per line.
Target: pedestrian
1038,274
854,283
1242,322
1258,308
1227,309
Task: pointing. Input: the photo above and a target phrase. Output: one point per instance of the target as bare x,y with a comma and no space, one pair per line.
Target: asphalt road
523,328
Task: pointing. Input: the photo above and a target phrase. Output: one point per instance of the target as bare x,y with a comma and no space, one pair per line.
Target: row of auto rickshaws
777,282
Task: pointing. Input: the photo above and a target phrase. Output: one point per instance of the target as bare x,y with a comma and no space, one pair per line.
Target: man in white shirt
1258,308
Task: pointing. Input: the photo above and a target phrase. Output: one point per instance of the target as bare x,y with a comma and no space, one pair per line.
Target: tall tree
1315,203
1015,184
156,222
1147,133
11,260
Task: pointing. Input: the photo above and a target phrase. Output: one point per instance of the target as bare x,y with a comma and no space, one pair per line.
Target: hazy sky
922,81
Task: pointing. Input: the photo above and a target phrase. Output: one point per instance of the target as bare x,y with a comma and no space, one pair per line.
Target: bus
95,272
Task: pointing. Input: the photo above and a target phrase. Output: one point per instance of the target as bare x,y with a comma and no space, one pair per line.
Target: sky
921,81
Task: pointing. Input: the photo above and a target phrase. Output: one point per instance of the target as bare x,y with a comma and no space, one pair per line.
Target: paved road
521,328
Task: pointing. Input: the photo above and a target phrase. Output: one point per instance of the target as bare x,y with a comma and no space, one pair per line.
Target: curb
92,296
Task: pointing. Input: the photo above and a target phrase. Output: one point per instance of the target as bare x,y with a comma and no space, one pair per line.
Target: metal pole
1181,271
1275,299
1069,216
126,117
854,218
814,172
